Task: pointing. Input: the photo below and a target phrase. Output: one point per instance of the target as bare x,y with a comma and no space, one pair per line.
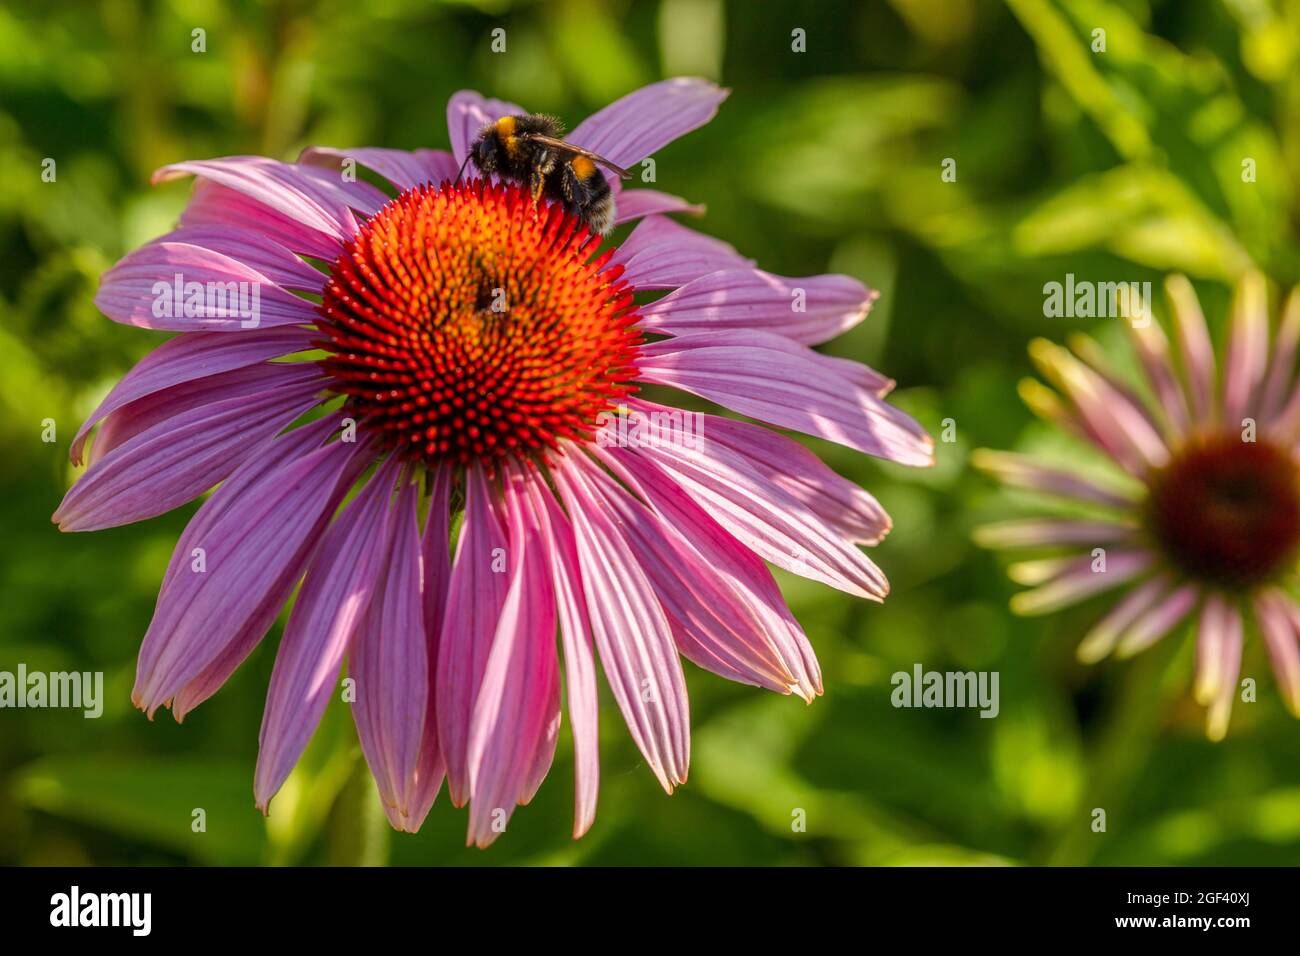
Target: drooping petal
1020,471
852,511
1071,580
475,596
761,514
431,769
662,254
250,384
1051,532
630,629
335,597
1228,669
632,128
579,660
176,460
1106,634
271,455
1279,620
728,615
389,660
274,525
809,310
516,712
773,382
1210,632
403,169
188,357
1159,620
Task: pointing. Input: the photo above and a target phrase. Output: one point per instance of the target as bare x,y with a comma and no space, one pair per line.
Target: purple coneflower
1203,519
466,363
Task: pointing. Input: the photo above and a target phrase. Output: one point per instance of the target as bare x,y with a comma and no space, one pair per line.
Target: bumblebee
530,148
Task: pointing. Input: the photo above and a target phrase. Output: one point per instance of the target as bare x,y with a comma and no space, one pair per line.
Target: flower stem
1120,751
358,833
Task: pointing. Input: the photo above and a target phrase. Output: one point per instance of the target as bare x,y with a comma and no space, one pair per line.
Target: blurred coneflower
1203,518
457,357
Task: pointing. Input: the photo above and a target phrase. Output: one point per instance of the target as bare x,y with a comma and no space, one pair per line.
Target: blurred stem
358,833
1120,752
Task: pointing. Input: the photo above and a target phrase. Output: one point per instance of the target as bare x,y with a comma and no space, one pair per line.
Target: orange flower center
465,324
1227,511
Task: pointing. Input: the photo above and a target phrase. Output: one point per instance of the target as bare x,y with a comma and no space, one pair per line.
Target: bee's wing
568,147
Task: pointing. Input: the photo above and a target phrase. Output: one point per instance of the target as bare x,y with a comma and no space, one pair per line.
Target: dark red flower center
466,324
1227,511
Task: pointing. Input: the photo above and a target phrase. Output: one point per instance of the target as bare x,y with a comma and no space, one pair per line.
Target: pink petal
1051,532
273,526
475,596
334,599
773,381
1074,579
631,631
403,169
251,382
1194,345
851,511
389,660
255,248
434,546
215,205
437,550
1158,621
1118,424
1279,620
727,613
176,460
761,514
1020,471
266,458
1247,349
745,299
635,203
579,662
516,712
144,290
1153,350
632,128
1280,383
855,372
306,194
1224,640
661,254
188,357
1106,634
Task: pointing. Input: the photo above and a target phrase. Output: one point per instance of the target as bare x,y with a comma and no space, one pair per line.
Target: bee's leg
543,166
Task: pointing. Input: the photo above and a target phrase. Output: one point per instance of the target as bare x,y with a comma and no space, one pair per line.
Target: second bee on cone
530,148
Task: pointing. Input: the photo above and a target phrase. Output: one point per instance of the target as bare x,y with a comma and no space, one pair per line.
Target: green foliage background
1117,165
